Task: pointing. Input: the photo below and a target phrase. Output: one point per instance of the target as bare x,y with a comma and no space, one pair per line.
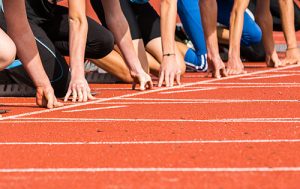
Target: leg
189,13
209,19
264,19
7,50
114,63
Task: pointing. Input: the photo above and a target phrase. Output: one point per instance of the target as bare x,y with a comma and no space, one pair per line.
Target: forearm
264,19
287,18
78,36
23,37
168,23
236,27
209,21
118,25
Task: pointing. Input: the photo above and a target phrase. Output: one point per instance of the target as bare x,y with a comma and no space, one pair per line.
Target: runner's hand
292,56
169,70
79,89
143,79
45,98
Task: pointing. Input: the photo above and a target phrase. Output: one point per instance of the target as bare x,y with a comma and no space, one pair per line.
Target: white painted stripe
93,109
145,92
157,142
191,90
249,83
239,120
201,102
269,76
207,100
152,169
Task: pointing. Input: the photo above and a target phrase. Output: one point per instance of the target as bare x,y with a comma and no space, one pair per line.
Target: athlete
189,13
22,35
144,24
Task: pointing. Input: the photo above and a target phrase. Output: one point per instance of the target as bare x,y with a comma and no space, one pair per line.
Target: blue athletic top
1,5
140,1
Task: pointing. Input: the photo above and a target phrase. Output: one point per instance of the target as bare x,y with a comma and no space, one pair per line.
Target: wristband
169,54
292,48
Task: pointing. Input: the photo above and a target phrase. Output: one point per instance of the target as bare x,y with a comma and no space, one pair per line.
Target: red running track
236,132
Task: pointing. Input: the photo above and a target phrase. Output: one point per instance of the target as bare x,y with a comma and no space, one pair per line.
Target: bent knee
7,55
100,46
252,37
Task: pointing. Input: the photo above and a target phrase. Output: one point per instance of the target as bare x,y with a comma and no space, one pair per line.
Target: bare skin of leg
223,35
7,50
287,18
154,48
209,20
153,64
115,64
265,21
235,65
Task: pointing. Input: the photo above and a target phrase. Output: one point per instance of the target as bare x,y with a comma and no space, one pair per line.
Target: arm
169,67
236,27
23,37
117,23
208,9
287,17
265,21
77,37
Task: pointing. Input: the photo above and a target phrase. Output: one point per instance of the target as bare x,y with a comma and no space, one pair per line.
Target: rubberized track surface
237,132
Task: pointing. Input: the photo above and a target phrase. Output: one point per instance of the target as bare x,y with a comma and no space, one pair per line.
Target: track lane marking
93,109
156,142
151,169
144,92
78,120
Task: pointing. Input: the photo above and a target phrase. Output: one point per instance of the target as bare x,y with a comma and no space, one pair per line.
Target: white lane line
92,120
151,169
144,92
269,76
157,142
206,100
92,109
196,89
191,90
254,83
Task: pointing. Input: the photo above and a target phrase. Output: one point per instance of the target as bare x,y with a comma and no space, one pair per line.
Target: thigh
148,21
132,18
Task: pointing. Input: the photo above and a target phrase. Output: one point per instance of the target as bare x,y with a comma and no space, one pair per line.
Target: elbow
78,22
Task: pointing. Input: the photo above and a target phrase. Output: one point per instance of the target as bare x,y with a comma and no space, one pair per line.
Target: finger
68,95
74,93
167,79
217,74
149,84
50,102
39,98
142,86
85,95
161,78
178,78
223,72
133,86
172,77
90,96
57,104
79,93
